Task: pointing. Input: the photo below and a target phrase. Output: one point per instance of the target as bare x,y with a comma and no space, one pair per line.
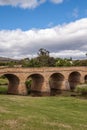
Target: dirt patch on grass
61,125
11,123
3,110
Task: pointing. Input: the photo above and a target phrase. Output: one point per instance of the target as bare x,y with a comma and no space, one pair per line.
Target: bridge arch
85,78
13,83
35,85
74,79
56,83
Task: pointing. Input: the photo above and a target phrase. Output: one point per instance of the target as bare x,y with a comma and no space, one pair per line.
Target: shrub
81,89
28,85
28,82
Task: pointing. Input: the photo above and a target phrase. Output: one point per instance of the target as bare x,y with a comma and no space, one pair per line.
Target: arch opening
34,84
56,83
85,78
74,80
10,82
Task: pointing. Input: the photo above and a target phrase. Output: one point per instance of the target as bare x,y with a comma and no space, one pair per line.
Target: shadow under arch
56,83
13,83
34,84
85,78
74,79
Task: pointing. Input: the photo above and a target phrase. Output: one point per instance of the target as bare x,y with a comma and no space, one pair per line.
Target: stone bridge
44,80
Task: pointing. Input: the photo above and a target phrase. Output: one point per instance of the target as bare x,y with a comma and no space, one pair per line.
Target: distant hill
4,59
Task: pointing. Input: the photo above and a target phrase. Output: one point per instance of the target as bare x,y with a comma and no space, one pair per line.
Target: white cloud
26,3
50,24
57,1
68,40
75,54
22,3
75,13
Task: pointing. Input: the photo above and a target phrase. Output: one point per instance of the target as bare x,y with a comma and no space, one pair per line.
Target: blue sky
27,25
46,15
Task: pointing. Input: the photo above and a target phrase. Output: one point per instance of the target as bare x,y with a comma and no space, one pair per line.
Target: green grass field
3,89
3,81
42,113
3,85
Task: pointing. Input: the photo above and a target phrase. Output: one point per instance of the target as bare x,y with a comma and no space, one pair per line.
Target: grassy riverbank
42,113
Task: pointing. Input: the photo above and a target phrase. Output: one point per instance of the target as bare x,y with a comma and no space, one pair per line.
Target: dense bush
82,89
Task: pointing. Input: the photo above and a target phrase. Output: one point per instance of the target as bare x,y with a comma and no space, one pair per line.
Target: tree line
44,59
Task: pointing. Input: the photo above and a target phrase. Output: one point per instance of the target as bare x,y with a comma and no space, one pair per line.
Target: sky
60,26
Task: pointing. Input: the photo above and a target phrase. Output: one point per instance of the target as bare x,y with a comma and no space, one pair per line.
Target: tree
86,54
51,62
34,63
43,52
44,58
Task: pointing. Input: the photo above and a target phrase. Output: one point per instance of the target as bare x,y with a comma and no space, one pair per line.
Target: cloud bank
67,40
26,3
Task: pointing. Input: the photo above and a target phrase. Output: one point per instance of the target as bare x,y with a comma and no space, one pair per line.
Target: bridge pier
45,88
82,79
65,85
22,90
